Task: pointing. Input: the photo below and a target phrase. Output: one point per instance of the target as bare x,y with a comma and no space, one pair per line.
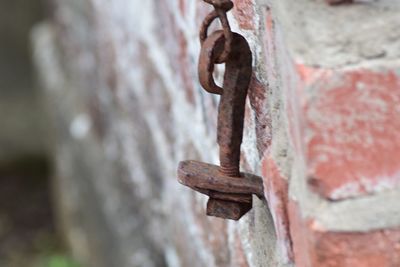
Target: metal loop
225,5
210,50
206,24
221,7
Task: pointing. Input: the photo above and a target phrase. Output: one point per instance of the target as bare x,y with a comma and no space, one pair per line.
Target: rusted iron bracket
230,191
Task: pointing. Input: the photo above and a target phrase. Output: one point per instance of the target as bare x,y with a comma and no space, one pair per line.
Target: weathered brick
353,130
132,67
244,14
276,192
258,96
239,260
317,247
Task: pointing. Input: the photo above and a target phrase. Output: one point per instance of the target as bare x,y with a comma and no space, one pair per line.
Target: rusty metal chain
230,190
221,7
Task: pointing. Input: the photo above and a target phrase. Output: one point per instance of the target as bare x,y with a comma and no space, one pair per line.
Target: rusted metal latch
230,191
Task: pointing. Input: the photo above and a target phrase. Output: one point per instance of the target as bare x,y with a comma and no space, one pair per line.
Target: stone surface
320,128
127,107
321,35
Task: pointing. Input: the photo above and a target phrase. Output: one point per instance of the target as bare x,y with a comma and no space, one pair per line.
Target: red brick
214,234
353,118
238,256
176,43
182,7
184,63
258,93
299,235
276,192
316,247
244,14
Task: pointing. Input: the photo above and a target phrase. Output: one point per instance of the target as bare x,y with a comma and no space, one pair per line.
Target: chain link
221,8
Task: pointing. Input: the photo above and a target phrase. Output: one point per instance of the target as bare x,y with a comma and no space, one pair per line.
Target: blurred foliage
44,251
55,259
58,261
28,236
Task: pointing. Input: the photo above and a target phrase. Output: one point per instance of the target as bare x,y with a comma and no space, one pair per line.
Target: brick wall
321,128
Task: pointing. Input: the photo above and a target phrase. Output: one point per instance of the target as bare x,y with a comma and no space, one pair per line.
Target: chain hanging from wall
230,191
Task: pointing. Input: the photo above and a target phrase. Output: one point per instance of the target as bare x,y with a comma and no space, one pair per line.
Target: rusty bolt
230,191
